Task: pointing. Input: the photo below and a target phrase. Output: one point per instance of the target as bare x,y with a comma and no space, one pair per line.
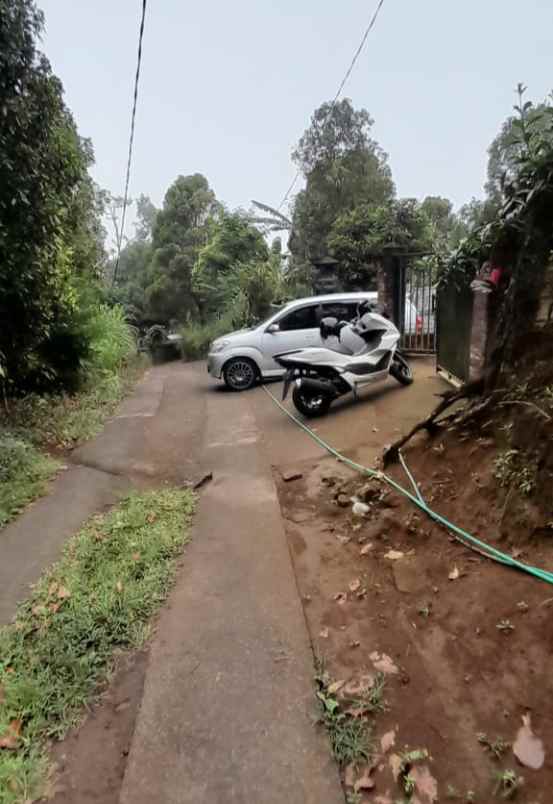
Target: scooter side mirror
272,328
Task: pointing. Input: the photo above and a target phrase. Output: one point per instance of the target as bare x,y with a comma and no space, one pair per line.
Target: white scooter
362,352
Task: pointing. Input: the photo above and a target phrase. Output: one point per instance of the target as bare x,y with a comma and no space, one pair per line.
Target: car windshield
275,308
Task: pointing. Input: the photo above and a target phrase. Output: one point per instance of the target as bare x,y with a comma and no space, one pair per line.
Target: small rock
288,477
323,633
343,500
394,555
360,509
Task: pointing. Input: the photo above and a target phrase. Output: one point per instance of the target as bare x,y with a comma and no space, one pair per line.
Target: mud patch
89,764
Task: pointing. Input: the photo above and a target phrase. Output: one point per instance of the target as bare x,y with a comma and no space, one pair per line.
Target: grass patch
95,602
24,474
349,730
62,421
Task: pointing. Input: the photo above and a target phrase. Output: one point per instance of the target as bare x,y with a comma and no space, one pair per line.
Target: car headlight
218,346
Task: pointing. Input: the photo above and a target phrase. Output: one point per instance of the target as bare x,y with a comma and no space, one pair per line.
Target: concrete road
228,707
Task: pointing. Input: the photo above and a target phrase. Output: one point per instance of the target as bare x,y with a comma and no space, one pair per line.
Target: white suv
243,357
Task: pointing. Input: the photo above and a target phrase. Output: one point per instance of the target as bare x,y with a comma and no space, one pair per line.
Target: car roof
332,297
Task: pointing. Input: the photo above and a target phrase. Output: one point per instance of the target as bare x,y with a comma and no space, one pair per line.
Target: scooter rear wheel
311,403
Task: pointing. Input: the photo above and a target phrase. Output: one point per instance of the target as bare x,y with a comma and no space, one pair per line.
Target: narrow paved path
227,713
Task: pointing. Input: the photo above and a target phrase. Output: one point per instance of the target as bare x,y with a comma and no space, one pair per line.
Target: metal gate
454,324
417,318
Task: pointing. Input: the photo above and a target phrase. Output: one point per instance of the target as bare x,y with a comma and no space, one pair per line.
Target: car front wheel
240,373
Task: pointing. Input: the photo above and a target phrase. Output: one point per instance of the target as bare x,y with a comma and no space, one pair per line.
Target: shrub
111,340
23,475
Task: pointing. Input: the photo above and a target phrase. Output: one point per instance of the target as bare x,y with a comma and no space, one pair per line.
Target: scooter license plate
288,380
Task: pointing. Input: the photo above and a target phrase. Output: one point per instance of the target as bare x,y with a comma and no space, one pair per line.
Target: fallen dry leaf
366,549
39,610
323,633
528,748
387,741
53,588
340,598
454,574
349,774
395,765
333,688
364,782
383,663
425,784
394,555
151,518
54,607
356,688
2,694
63,593
358,778
354,585
119,586
10,740
135,556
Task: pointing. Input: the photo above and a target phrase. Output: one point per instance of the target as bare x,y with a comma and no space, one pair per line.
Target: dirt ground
469,655
90,762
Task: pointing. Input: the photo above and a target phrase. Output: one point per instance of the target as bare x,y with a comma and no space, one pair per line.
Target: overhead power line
131,140
349,71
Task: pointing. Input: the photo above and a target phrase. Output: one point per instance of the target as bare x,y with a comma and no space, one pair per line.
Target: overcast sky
228,88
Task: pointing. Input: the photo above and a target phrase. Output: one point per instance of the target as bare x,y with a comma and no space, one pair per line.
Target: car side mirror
272,328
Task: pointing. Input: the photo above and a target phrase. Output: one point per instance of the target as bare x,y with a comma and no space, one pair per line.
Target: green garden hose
417,499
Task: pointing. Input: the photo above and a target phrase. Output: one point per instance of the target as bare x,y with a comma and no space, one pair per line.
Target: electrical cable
349,71
131,140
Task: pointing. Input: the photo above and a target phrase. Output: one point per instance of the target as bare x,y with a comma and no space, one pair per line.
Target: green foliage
24,473
97,600
50,230
511,469
514,226
112,342
343,168
62,420
180,231
369,230
233,242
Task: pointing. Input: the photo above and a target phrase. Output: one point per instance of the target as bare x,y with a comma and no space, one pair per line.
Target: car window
302,318
343,311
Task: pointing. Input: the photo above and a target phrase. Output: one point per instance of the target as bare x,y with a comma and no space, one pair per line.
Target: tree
373,229
180,230
49,230
343,168
233,242
506,151
146,214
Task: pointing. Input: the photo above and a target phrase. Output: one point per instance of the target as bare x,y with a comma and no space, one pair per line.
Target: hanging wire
349,71
131,141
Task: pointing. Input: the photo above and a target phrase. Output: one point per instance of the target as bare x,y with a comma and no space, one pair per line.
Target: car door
297,329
